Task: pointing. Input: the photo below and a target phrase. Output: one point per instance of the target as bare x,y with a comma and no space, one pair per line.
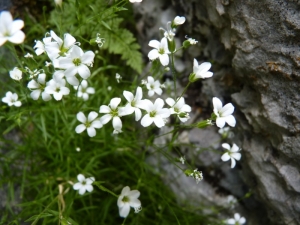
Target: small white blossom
34,73
11,99
28,55
47,64
40,46
223,114
155,113
77,62
191,40
57,88
200,71
84,184
60,47
237,220
118,77
153,86
160,51
15,74
83,90
134,102
197,175
113,112
89,123
38,87
100,41
10,30
182,160
180,108
133,1
179,20
231,153
128,198
169,33
77,149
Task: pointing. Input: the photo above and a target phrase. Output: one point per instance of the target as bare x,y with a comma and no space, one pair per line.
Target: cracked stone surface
254,48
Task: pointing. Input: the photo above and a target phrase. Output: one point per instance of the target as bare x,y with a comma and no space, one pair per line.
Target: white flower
113,112
77,62
179,20
59,47
155,113
223,113
57,88
89,123
83,90
84,184
133,1
134,102
160,51
28,55
153,86
180,108
10,30
197,175
232,153
118,77
15,74
58,2
182,159
191,40
47,64
34,73
40,46
169,32
38,87
128,199
237,220
11,99
100,41
200,71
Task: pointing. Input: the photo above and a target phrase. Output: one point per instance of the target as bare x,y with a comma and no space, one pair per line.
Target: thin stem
173,73
105,189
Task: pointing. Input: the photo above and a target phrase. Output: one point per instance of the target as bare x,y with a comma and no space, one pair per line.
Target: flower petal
81,117
91,131
225,157
146,120
230,120
124,211
80,128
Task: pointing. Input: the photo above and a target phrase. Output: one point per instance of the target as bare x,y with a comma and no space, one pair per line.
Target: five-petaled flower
83,90
237,220
153,86
160,51
231,153
134,102
89,123
223,114
38,87
155,113
11,99
200,71
84,184
113,112
10,30
180,108
128,199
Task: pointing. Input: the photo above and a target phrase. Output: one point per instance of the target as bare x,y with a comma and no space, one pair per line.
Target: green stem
105,189
173,73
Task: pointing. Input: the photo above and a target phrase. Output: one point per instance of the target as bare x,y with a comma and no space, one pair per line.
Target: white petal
114,102
153,54
124,211
236,156
227,110
92,115
89,188
96,124
138,114
117,123
105,119
135,203
139,93
217,103
77,186
82,190
226,146
80,128
104,109
88,57
225,157
159,122
91,131
128,95
154,44
146,121
233,163
220,122
164,59
159,103
170,102
230,120
17,38
81,117
84,71
69,40
80,178
35,94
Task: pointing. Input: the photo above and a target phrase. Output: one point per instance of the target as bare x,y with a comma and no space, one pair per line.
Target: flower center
125,199
57,89
133,103
161,51
114,112
87,124
152,114
176,109
76,61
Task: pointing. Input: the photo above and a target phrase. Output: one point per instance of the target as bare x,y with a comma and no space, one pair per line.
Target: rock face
254,47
